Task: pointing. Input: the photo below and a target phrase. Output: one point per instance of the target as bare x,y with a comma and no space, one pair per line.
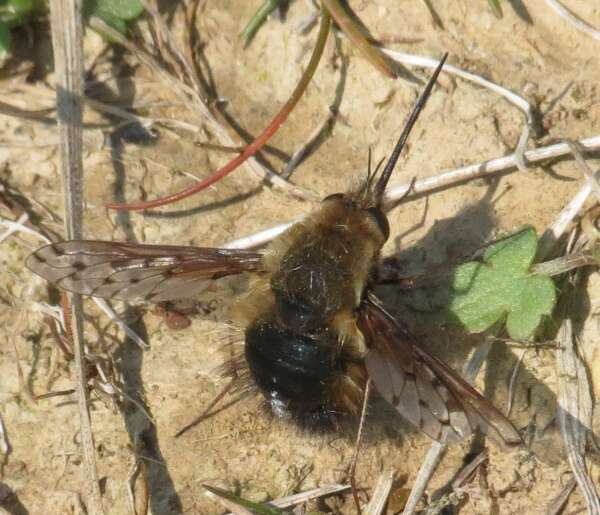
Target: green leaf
115,22
500,285
256,509
115,13
496,8
22,7
4,39
16,12
123,9
259,17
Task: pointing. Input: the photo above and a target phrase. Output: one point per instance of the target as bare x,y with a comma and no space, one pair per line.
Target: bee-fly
314,331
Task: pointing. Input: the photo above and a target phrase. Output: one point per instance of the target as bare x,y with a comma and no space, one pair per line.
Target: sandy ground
530,51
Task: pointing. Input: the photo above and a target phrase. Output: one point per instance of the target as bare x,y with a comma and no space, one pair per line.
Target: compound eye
381,220
335,196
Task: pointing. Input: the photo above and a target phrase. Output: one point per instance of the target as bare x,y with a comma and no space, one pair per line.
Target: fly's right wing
422,388
133,271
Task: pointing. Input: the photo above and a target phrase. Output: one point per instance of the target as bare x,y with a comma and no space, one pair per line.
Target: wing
426,391
128,271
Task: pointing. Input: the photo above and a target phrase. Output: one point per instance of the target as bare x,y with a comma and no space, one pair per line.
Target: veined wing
132,271
426,391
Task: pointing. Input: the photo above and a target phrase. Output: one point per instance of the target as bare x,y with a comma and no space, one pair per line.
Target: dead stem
355,452
251,149
224,391
451,178
357,38
573,20
138,504
381,493
436,451
315,493
197,104
575,406
5,447
513,381
573,208
519,153
67,41
301,152
556,505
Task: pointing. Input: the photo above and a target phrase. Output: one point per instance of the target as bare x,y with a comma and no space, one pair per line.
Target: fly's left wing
422,388
133,271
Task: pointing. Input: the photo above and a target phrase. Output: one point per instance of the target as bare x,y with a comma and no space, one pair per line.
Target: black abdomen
293,371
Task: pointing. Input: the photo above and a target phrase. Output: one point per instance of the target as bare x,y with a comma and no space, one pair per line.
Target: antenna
419,105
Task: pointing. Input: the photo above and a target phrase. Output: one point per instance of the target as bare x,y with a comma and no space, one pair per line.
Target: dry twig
512,97
573,20
381,493
308,495
556,505
67,41
449,178
359,437
575,404
573,208
5,447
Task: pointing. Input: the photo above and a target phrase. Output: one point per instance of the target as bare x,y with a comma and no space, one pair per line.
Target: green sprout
14,13
501,285
252,507
496,8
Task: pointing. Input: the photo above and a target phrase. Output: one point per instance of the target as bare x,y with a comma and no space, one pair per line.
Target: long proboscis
414,115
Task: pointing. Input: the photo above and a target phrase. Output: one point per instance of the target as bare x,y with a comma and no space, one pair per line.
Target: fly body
314,331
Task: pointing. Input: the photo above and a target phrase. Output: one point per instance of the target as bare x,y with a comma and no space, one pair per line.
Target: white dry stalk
564,218
575,411
513,381
12,227
436,451
4,445
67,43
573,20
134,473
309,495
103,305
513,98
144,121
130,486
54,312
575,405
315,493
428,62
261,237
381,493
19,226
477,170
573,208
448,178
585,169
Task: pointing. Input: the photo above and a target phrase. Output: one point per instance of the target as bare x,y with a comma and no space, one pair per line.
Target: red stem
253,147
